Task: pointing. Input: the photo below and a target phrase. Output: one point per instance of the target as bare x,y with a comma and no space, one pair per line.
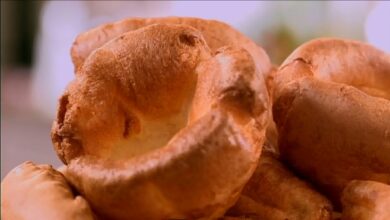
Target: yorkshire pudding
31,192
366,200
156,125
275,193
332,112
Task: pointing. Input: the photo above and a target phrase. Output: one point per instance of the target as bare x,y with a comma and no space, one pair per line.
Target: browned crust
217,34
274,192
332,111
332,133
344,61
149,75
231,82
366,200
188,178
31,192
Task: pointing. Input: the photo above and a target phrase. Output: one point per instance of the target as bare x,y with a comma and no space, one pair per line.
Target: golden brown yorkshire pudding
275,193
156,126
31,192
366,200
332,111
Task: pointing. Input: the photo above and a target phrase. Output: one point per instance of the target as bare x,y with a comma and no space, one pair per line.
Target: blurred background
36,37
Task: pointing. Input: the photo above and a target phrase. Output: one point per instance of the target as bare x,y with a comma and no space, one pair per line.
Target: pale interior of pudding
154,133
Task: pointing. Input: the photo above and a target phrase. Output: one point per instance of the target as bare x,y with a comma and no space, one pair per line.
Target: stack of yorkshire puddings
184,118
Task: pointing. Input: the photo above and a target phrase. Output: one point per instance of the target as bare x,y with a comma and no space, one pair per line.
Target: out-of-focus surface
36,38
25,134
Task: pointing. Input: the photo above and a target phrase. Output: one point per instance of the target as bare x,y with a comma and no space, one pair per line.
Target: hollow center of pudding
153,134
